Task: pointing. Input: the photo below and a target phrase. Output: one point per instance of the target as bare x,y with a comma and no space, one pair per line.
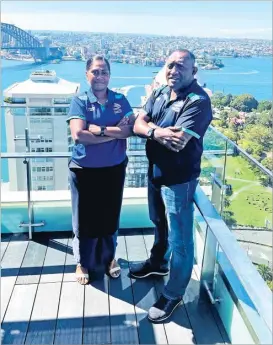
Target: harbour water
239,76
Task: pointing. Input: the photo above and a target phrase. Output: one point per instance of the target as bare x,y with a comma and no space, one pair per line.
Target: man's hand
169,138
94,129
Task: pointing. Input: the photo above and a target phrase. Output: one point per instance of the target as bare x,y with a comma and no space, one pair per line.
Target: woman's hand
94,129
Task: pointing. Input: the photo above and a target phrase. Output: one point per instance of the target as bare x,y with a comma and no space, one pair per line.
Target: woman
100,120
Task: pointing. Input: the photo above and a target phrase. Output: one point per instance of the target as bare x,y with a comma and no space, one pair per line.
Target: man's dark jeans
171,210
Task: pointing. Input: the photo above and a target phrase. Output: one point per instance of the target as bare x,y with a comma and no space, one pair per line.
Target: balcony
227,300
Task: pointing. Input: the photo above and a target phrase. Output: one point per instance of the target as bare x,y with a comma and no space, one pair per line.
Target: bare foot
114,269
81,275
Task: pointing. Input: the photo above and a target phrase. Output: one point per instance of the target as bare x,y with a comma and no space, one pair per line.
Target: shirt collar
93,99
181,93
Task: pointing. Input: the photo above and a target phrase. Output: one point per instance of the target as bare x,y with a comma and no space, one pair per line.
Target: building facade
39,104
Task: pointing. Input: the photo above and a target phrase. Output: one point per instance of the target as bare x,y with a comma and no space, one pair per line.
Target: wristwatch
102,129
150,133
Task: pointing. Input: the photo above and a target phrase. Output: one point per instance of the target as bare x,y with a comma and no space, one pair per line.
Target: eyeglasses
97,73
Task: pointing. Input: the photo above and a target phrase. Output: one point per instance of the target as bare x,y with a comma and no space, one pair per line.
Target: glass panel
51,194
213,164
13,127
248,210
200,229
137,168
14,207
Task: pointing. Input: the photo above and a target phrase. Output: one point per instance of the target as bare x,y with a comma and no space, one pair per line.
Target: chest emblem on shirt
177,106
92,108
117,108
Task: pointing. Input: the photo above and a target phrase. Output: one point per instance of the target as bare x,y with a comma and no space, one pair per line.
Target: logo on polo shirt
177,106
92,108
117,108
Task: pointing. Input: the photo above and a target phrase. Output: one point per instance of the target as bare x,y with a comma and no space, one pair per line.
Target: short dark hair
191,55
90,61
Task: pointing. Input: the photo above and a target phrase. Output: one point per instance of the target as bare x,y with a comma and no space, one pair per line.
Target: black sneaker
163,309
144,269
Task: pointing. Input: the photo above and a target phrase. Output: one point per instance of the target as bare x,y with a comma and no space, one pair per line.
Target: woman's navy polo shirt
86,107
192,111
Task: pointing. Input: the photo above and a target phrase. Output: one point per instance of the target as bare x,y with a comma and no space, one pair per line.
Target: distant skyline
223,19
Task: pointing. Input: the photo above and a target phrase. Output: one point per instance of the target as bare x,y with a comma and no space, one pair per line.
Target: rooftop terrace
227,300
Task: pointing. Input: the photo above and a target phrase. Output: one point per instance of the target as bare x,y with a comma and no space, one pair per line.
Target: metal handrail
253,284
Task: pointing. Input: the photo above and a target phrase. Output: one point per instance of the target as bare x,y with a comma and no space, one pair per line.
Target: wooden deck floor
42,304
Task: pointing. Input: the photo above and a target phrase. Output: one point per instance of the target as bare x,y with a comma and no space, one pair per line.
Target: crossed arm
90,136
173,138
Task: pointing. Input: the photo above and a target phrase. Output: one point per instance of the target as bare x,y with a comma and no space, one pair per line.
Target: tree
265,119
265,272
251,119
270,284
216,99
219,100
244,103
252,147
268,163
231,134
264,105
227,100
228,217
223,115
264,178
257,134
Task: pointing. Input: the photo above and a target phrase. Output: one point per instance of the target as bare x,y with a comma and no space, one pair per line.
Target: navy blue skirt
96,195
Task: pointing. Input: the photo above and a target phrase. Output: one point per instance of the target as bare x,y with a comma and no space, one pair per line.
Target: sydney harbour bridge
25,41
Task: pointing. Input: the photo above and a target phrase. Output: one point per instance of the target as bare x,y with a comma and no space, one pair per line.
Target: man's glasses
97,73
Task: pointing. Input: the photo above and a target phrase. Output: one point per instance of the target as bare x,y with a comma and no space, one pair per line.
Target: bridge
25,41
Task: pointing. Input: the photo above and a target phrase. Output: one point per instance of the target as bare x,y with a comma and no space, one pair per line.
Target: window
61,100
41,187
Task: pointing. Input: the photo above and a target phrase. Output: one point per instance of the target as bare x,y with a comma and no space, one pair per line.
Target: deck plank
32,265
70,316
200,314
11,264
70,264
4,243
121,303
205,330
15,324
178,328
96,313
144,295
54,261
43,319
104,312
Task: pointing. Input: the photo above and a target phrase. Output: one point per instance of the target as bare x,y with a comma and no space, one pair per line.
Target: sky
229,19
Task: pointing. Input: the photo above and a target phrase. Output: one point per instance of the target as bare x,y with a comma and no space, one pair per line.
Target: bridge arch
23,38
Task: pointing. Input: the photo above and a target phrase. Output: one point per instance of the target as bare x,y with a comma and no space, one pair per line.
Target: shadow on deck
42,304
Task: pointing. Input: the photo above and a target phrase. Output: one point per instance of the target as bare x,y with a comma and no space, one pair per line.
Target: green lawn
236,185
249,205
241,166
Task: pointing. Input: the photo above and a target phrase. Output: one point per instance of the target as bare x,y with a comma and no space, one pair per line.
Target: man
174,120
